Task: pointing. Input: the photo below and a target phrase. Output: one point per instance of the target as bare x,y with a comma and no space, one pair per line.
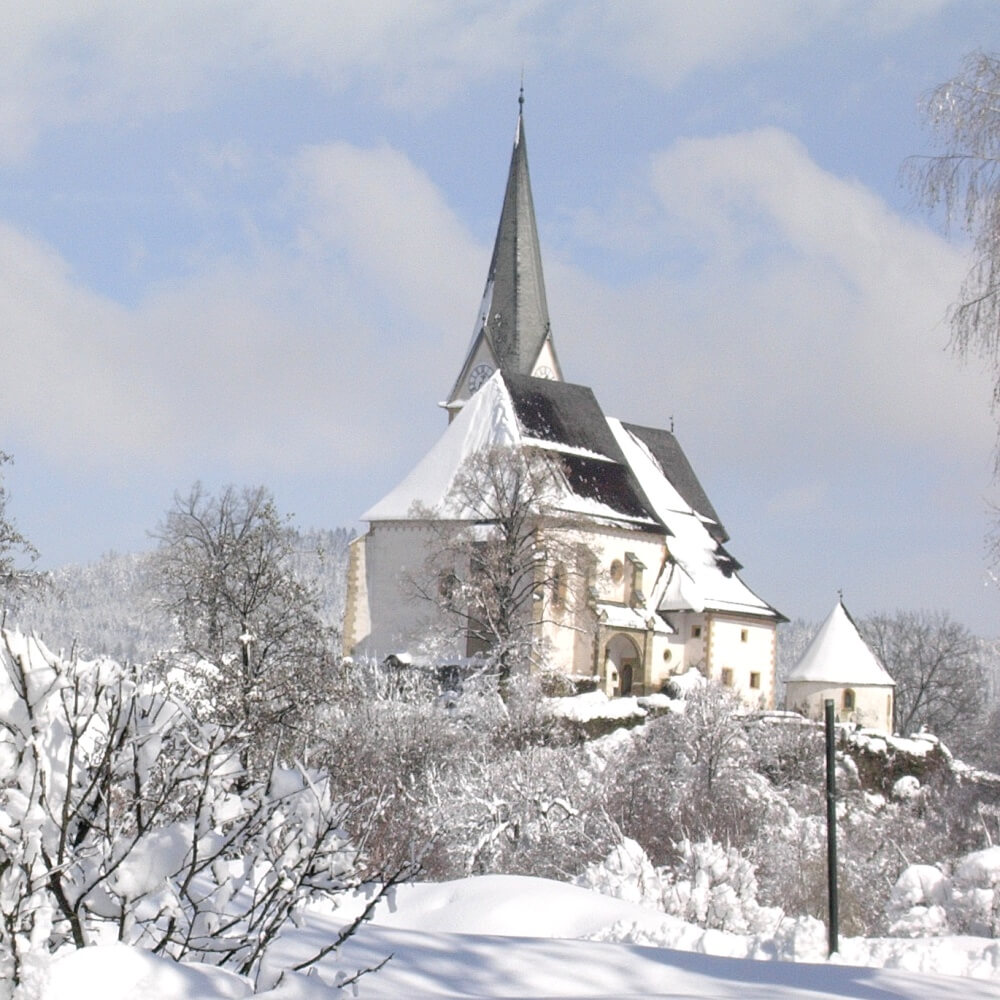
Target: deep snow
509,936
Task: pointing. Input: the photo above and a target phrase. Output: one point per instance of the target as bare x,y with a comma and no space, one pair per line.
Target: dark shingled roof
675,466
569,415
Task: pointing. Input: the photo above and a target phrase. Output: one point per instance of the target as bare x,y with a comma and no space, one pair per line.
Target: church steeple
512,327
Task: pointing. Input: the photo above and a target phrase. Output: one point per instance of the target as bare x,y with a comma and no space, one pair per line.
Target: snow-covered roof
487,419
610,473
701,574
555,417
838,655
618,616
668,454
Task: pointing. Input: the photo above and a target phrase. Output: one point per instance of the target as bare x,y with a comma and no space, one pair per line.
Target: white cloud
393,224
806,320
665,42
296,350
101,61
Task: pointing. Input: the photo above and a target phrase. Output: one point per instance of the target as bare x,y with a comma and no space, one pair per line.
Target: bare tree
14,548
962,180
225,563
935,662
500,558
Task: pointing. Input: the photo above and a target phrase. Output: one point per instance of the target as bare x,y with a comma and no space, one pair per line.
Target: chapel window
558,584
848,700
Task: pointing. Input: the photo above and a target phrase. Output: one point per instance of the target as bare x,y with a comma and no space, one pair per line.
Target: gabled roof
513,319
564,421
700,574
667,452
838,655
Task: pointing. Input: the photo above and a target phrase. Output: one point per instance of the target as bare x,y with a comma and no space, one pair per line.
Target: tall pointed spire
512,327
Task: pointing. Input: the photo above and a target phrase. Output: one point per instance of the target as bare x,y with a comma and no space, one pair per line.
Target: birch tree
961,180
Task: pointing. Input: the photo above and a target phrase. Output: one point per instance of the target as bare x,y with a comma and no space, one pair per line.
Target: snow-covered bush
686,776
928,900
626,873
122,818
711,885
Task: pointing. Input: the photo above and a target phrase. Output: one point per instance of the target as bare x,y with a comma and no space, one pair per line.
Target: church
652,590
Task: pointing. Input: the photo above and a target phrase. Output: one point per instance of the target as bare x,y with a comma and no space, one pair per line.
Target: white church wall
741,656
667,657
357,612
872,704
692,631
622,558
394,553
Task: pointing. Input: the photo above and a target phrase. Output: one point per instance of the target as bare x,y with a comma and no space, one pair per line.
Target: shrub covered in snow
711,885
930,900
626,873
122,818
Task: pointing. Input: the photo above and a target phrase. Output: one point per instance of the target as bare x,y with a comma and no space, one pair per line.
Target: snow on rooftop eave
487,419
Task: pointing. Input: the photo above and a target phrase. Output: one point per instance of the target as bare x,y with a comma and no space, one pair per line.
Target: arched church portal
622,656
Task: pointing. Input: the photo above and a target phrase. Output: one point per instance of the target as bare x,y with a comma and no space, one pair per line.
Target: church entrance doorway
622,663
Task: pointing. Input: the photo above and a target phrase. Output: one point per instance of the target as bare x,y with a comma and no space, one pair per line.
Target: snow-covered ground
510,936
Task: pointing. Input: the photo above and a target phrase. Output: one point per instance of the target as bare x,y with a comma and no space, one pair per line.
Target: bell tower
512,330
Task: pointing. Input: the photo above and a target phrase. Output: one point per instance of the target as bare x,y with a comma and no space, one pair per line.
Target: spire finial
520,99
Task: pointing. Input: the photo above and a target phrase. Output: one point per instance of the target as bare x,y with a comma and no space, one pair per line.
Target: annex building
653,589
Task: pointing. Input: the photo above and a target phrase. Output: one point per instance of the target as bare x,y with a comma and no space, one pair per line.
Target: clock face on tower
479,375
545,372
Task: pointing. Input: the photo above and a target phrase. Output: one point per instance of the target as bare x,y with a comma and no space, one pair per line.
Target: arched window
848,700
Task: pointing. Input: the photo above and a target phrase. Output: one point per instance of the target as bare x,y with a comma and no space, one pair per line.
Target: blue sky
245,243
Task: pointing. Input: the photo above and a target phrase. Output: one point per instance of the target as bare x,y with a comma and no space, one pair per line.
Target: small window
727,677
744,634
558,584
754,679
447,584
848,701
667,655
695,631
617,571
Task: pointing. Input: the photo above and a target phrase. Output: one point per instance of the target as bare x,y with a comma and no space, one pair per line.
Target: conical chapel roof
838,655
513,320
